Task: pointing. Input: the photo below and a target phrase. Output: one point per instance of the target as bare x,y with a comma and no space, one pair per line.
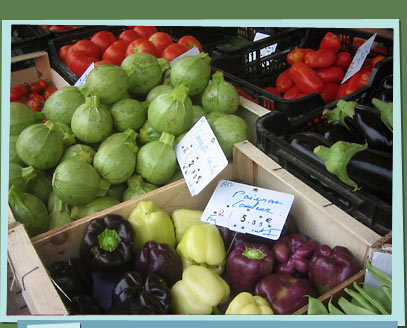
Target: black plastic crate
274,128
247,70
28,38
70,38
218,40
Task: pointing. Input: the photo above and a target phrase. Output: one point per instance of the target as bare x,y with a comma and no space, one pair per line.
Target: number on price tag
248,209
359,58
200,156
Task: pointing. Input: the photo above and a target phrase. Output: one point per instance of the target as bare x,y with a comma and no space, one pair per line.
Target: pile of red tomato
33,95
104,48
321,71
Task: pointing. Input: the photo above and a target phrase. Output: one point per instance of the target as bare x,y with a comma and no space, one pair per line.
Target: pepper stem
167,138
109,240
254,253
218,77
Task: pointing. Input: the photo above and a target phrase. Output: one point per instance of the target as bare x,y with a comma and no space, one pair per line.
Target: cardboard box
314,216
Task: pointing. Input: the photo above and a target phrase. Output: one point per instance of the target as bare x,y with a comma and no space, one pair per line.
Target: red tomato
330,41
103,39
331,74
295,55
38,86
284,81
291,93
86,48
329,92
145,31
321,58
63,51
188,41
300,95
49,91
273,91
24,89
173,51
129,36
377,59
160,40
343,59
36,96
33,104
78,63
15,94
305,78
116,52
141,45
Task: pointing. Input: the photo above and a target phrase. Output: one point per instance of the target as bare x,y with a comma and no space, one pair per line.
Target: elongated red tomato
284,81
329,92
305,78
63,51
331,74
321,58
291,93
330,41
78,63
343,59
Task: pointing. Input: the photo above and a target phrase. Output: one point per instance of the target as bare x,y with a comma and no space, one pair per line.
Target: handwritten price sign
248,209
200,156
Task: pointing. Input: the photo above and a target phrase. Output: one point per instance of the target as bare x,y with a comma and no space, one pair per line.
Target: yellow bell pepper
183,219
202,244
151,223
246,303
199,291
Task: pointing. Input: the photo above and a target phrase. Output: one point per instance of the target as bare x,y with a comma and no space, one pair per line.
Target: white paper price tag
82,79
191,52
359,58
248,209
200,156
265,51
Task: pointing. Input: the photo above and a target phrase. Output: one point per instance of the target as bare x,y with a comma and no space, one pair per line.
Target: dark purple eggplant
371,127
336,131
373,171
306,142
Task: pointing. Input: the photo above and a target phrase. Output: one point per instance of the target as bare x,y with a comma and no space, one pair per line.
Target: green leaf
336,159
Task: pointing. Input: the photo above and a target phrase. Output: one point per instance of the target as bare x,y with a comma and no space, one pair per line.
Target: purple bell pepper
292,254
285,293
246,264
161,259
329,267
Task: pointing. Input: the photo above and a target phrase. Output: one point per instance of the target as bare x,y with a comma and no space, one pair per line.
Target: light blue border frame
398,314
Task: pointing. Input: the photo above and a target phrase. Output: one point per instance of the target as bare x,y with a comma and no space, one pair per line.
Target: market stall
131,145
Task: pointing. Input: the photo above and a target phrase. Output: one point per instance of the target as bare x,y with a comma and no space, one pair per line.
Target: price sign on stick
247,209
359,58
200,156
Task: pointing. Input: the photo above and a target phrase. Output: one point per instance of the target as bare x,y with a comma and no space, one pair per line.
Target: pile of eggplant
356,145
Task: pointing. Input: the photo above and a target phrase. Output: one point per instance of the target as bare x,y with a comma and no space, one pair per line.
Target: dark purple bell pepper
329,267
247,264
292,254
161,259
285,293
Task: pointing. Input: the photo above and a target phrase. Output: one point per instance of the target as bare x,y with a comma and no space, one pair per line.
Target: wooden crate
40,69
313,215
